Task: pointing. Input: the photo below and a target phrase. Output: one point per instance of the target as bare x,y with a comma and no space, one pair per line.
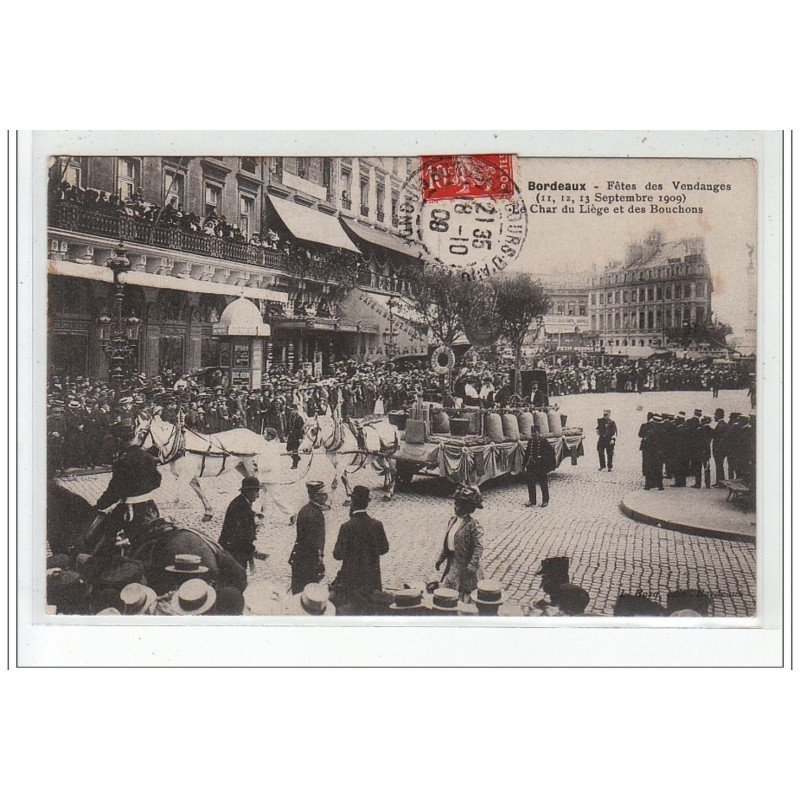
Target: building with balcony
566,325
660,287
202,231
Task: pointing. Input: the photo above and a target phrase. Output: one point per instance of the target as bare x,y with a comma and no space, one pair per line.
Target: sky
575,242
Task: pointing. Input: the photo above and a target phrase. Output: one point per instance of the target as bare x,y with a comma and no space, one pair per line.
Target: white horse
190,455
349,453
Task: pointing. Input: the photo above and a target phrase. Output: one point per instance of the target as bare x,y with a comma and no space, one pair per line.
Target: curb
638,516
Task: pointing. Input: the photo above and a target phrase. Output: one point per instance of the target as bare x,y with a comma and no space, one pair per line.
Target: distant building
661,286
565,327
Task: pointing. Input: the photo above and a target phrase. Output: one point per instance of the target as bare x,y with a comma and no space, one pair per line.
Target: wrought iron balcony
75,217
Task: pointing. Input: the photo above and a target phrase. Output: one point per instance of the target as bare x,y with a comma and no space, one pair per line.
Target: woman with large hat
463,544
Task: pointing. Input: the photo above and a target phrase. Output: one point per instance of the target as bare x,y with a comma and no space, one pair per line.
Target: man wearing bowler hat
361,543
555,573
239,529
309,547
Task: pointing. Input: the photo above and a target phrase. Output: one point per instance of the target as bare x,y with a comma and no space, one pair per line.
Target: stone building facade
301,252
661,286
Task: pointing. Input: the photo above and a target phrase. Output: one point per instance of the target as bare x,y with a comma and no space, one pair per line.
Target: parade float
472,445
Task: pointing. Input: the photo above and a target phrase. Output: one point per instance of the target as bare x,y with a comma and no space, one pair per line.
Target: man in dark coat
652,447
309,547
361,542
538,397
681,449
694,446
718,445
606,439
294,433
239,528
134,478
540,458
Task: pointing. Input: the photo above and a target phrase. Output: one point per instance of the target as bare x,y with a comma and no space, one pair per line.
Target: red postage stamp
466,177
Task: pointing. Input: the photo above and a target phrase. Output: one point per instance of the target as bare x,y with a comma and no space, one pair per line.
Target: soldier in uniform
606,439
309,547
539,460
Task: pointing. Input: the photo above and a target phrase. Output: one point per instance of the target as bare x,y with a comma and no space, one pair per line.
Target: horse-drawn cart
471,446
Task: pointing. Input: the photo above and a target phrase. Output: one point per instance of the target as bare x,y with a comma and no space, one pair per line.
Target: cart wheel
405,474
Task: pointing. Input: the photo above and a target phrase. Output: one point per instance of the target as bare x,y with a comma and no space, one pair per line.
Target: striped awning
311,225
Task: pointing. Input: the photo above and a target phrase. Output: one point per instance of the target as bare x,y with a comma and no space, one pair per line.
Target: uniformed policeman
606,439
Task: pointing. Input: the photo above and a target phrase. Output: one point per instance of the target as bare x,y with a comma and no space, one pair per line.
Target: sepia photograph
431,386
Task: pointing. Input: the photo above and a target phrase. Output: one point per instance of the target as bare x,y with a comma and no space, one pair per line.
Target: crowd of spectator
83,412
645,376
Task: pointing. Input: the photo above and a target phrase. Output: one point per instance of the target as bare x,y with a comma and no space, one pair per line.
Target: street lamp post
119,336
390,336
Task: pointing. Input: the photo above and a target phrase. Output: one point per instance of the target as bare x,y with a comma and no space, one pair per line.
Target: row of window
650,293
571,309
674,269
174,189
644,320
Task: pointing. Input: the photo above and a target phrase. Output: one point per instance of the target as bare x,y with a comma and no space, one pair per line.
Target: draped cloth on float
475,464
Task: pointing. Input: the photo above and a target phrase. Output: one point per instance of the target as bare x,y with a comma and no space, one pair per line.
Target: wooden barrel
525,423
440,422
554,423
510,428
540,424
493,427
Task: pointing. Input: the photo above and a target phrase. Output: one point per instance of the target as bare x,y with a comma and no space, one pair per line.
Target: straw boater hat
137,599
313,601
488,593
408,600
194,598
187,564
443,601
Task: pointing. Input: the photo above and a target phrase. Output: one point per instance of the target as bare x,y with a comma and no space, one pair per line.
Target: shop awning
71,269
135,278
312,225
401,307
387,240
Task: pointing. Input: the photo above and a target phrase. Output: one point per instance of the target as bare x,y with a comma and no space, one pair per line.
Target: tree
715,333
439,298
520,301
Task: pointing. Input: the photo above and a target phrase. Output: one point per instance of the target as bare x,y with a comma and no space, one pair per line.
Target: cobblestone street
609,553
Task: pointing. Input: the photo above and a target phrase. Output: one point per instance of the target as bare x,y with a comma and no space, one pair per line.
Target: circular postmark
466,213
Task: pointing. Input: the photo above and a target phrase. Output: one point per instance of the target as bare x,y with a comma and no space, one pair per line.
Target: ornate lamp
119,336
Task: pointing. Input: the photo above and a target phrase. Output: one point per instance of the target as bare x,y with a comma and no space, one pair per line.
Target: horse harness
177,448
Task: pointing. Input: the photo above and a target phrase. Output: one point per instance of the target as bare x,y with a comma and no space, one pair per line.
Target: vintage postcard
409,387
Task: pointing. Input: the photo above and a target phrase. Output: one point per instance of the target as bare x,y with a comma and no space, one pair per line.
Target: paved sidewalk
703,512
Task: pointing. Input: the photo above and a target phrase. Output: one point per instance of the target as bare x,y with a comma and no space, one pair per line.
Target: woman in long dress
463,544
